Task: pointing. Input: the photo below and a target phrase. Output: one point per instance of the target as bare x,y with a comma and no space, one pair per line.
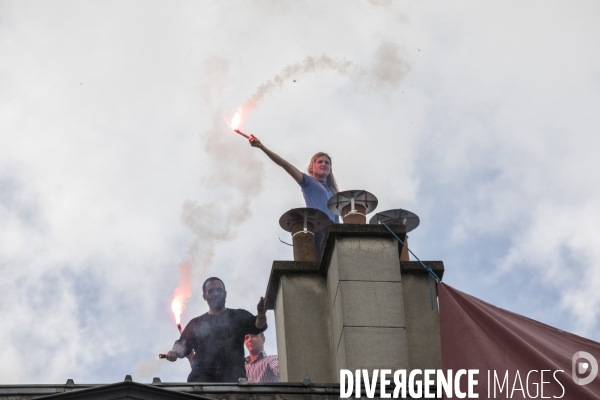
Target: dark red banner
517,357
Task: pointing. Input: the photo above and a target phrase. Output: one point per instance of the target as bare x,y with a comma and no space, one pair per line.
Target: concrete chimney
358,307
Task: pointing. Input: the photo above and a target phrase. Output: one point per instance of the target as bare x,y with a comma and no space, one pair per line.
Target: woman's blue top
316,194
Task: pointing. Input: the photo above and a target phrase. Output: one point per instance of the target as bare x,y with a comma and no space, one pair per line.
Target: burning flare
236,120
182,292
178,305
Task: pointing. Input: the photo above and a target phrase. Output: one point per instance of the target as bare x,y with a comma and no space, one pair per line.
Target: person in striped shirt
259,366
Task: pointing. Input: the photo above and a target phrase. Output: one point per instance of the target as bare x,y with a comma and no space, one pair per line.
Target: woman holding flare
317,184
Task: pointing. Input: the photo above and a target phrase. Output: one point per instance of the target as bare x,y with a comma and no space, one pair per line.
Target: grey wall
365,295
303,329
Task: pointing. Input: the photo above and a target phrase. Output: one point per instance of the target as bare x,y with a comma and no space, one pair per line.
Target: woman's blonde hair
330,178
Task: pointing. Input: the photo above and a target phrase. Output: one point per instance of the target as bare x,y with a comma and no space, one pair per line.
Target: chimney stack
360,306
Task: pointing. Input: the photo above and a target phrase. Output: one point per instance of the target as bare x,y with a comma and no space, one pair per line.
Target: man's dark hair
212,278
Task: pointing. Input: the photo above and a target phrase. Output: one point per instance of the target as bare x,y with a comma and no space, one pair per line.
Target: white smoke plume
147,368
309,64
240,179
388,68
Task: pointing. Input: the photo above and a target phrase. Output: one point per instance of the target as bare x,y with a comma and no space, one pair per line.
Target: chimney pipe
353,205
303,223
398,217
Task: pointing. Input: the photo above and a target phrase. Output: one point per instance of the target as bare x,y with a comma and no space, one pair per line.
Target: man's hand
254,142
261,317
178,351
172,356
261,308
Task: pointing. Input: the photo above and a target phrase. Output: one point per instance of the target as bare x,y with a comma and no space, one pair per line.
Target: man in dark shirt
217,337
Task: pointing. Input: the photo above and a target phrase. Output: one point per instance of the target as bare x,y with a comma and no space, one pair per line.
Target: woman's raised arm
289,168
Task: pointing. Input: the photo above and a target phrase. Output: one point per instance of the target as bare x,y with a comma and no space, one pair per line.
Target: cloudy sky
116,164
